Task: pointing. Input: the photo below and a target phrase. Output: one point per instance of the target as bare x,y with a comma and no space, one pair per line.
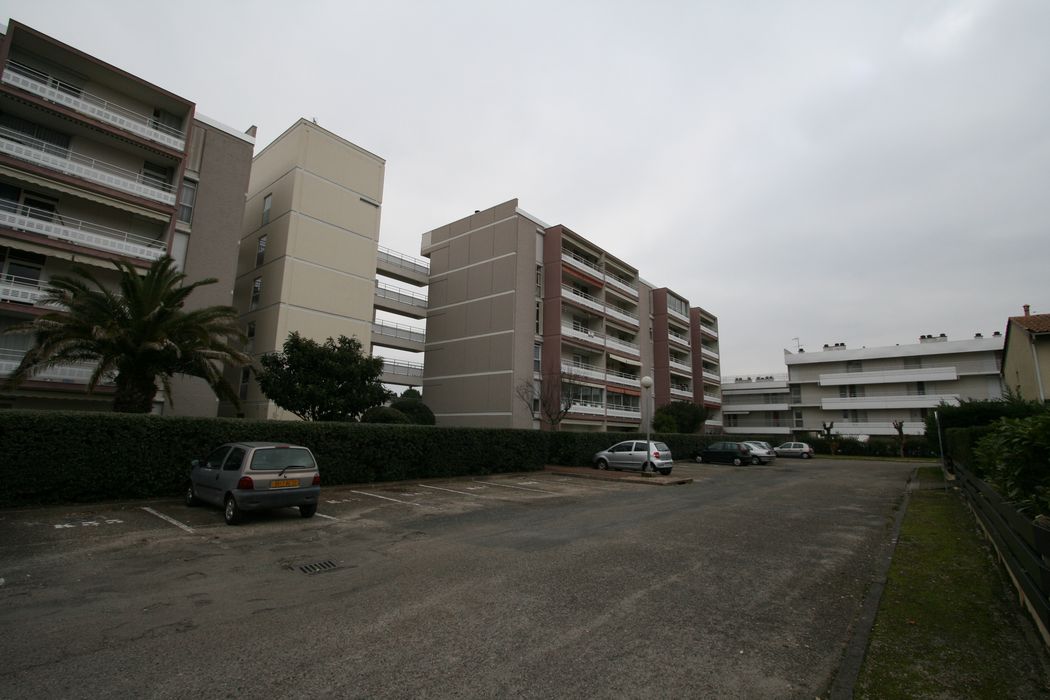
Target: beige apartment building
862,391
526,320
1026,355
309,258
97,165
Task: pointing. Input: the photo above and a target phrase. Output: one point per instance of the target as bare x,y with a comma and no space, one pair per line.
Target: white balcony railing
54,90
708,352
582,298
620,411
622,315
675,313
889,401
713,398
680,367
623,345
397,330
580,369
582,263
676,338
682,393
402,368
588,408
403,296
714,376
74,373
21,289
33,150
621,285
48,223
405,262
710,330
583,334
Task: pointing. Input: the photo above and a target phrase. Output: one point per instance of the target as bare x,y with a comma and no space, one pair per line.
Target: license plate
284,484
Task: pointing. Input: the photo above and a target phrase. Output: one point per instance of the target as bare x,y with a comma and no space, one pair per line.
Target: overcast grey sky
858,172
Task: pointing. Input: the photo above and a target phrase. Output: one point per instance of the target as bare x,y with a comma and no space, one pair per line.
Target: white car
794,449
761,452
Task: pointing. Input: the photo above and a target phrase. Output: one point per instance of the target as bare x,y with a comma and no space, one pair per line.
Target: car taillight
245,483
316,481
656,455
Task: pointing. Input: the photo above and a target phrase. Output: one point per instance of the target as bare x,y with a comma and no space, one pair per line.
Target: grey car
794,449
761,452
631,454
247,476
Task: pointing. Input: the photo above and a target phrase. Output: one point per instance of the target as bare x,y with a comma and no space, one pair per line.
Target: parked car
631,454
247,476
735,453
794,449
761,452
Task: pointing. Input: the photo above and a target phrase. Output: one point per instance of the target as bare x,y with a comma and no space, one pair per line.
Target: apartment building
98,165
862,391
1026,355
310,260
527,321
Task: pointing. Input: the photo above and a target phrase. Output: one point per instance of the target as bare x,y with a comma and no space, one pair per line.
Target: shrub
384,414
417,411
1014,457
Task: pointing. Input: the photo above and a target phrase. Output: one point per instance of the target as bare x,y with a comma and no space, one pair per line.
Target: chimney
1027,310
251,130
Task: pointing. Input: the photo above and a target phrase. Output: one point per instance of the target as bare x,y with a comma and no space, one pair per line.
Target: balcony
584,334
676,314
587,408
83,233
32,150
681,367
712,376
878,428
622,378
621,285
21,290
582,371
620,411
621,345
402,267
712,398
400,301
677,338
708,352
581,263
622,315
709,329
402,373
53,90
891,401
74,373
396,335
582,298
743,407
897,376
681,392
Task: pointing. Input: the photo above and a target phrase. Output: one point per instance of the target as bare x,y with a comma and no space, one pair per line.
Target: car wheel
191,497
699,459
307,510
602,464
755,460
805,455
737,461
665,472
232,513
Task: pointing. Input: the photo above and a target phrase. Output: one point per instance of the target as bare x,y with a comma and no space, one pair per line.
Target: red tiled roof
1037,323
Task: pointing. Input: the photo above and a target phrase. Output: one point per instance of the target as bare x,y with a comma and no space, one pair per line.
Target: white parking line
327,517
385,498
520,488
173,521
464,493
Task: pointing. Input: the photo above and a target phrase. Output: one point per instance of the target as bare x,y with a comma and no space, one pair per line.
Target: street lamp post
647,384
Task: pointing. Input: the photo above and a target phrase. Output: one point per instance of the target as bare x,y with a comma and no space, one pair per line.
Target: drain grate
318,567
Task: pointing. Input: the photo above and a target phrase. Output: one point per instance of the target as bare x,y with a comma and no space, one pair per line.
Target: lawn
948,624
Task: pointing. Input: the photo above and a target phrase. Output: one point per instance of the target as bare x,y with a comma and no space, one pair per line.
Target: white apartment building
862,391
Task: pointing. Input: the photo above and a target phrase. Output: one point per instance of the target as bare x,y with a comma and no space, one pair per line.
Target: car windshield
276,458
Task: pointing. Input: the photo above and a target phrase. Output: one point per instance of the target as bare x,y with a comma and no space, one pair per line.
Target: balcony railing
709,329
21,289
622,314
582,298
402,368
33,150
681,391
398,294
680,339
713,398
622,378
403,261
54,90
397,330
708,352
714,376
680,367
678,314
620,411
77,373
580,369
589,408
621,285
48,223
583,334
581,262
626,346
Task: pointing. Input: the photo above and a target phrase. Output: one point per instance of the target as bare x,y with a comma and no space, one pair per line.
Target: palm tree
138,334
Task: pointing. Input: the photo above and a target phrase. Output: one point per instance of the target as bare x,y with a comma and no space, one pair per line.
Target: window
246,375
249,346
187,198
154,175
233,461
256,293
677,305
22,267
260,250
267,205
796,394
536,349
853,366
798,419
164,120
920,388
539,319
912,363
539,281
732,420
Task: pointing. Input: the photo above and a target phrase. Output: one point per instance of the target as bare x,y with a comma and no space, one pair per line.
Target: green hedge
959,446
877,446
56,457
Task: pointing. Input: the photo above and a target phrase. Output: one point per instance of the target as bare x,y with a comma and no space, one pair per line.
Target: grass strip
948,624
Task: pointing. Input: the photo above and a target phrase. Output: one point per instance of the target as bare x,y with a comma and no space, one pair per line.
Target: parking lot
746,582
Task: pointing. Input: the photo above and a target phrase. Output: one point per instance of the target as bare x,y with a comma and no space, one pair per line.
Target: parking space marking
386,498
173,521
85,523
328,517
520,488
463,493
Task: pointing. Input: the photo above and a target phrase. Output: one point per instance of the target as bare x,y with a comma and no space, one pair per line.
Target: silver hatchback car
246,476
631,454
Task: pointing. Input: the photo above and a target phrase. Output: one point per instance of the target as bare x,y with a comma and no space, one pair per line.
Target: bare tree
898,425
828,428
549,403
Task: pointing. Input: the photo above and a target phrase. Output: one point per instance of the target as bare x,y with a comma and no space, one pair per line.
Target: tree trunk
135,394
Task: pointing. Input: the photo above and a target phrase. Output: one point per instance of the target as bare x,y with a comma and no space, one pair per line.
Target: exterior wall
1026,362
317,270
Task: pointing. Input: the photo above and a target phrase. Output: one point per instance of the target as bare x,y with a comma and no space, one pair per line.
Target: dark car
735,453
246,476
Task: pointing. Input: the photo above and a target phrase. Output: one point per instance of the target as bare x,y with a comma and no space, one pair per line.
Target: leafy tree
417,411
384,414
137,334
330,381
411,393
679,417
